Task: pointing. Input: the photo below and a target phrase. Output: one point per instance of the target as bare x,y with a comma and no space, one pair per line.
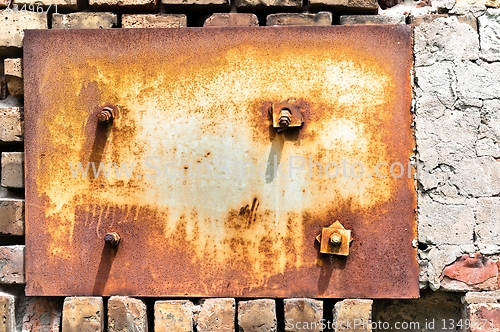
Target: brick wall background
457,130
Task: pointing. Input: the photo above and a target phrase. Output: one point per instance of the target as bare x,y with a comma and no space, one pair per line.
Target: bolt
105,115
335,239
285,118
112,239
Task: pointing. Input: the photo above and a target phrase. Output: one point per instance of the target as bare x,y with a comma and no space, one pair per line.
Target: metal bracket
334,240
286,115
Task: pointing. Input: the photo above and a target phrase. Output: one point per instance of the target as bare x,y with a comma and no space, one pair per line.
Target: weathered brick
7,312
303,315
13,67
216,315
12,216
11,124
484,317
84,20
14,76
83,314
137,6
481,297
12,169
416,20
205,4
321,18
267,4
12,264
231,19
372,19
43,315
452,285
353,315
257,315
174,316
154,21
126,314
12,24
345,6
472,270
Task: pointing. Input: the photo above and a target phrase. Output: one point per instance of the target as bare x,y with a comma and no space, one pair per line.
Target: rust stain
204,209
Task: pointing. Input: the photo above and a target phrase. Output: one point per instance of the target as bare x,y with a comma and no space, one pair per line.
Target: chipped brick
43,315
472,270
12,264
231,19
216,315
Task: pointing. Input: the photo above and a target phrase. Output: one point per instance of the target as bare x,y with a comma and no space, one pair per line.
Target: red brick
484,317
452,285
42,315
126,314
257,315
83,314
216,315
12,265
498,279
472,270
231,19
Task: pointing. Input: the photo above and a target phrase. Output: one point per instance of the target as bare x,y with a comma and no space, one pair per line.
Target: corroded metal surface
218,203
335,240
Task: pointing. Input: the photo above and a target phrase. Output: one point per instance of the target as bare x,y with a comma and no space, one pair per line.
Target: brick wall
457,129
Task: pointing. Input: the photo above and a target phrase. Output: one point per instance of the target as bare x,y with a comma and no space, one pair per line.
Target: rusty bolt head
285,118
112,239
105,115
336,239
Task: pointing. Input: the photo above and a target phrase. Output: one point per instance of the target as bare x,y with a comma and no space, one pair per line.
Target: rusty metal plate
211,199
